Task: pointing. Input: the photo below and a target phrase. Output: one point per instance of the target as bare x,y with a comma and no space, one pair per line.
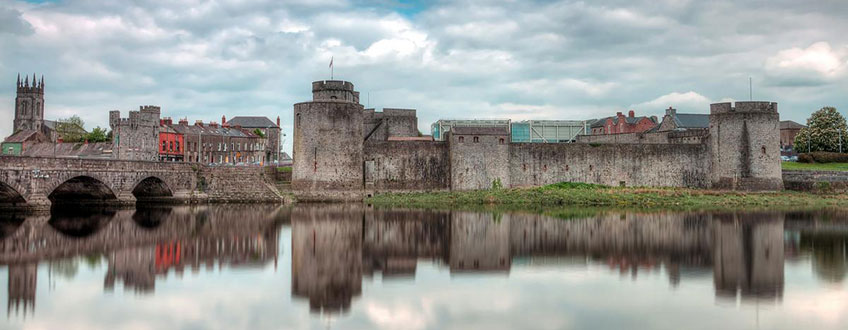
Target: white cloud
813,65
688,101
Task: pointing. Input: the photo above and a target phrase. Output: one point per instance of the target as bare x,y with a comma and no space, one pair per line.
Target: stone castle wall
327,150
745,146
406,166
341,152
137,136
680,165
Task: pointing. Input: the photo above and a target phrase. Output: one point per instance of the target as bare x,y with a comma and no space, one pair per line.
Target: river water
357,267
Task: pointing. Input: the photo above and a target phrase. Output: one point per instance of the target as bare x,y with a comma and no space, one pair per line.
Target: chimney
278,121
618,114
670,111
162,122
223,120
631,114
184,122
198,123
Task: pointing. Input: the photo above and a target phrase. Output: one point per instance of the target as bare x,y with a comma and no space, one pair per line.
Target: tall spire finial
19,79
26,81
34,80
42,82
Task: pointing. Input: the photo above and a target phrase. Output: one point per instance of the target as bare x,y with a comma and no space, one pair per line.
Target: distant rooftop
481,130
788,124
251,122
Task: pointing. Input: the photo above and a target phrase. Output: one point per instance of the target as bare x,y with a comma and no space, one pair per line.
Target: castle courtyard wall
659,165
406,166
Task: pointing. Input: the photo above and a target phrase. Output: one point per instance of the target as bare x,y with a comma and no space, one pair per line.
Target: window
219,146
501,140
476,139
164,145
178,146
171,146
461,139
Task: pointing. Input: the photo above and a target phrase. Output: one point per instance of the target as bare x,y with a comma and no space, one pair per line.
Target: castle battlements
743,106
334,90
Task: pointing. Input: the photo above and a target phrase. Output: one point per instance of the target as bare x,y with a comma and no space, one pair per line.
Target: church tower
29,104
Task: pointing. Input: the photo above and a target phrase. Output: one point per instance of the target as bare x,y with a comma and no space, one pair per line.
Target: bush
823,157
284,169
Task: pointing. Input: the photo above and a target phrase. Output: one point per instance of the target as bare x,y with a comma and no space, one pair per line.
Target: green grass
815,166
284,169
562,196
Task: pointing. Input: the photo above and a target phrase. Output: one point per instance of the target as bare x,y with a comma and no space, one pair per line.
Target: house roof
788,124
691,120
600,122
630,120
26,135
480,130
214,131
76,150
252,122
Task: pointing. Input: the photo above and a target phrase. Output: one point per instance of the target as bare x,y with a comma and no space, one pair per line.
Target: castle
342,151
137,136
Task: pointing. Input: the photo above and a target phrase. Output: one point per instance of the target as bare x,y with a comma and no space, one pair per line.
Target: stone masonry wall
407,166
679,165
327,150
477,165
237,184
745,146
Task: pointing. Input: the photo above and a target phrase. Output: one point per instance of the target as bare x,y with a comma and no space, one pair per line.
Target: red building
171,143
621,124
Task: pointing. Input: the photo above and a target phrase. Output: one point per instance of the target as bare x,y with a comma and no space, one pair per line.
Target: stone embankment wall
236,184
407,166
818,181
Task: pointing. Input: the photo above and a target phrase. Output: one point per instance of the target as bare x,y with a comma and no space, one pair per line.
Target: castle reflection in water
334,246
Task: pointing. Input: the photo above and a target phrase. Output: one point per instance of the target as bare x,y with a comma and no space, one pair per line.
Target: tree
259,132
822,132
97,135
71,129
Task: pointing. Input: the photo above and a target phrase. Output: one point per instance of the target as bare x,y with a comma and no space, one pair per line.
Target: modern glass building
535,131
549,131
439,128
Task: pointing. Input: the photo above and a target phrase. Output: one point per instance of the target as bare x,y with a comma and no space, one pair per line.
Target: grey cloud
12,22
203,60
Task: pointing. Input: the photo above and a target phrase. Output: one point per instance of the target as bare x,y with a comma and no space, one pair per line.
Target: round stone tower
327,144
745,146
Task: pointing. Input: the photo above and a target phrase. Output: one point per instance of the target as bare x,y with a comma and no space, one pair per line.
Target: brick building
788,130
269,129
221,144
171,143
624,124
673,121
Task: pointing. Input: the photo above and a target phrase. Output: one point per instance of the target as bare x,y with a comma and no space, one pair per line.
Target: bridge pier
126,198
38,202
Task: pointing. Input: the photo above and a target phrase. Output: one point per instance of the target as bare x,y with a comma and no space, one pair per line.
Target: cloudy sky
519,59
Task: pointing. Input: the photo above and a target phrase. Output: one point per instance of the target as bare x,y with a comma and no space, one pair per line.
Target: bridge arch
152,188
82,189
10,195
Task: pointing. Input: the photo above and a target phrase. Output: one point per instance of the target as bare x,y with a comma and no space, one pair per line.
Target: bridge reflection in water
335,247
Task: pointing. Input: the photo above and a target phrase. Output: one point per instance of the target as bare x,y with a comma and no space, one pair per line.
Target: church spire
26,81
19,80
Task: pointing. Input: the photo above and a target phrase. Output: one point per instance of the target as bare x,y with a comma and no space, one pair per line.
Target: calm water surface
352,267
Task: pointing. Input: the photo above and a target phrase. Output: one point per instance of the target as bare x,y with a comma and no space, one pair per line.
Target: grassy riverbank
815,166
589,195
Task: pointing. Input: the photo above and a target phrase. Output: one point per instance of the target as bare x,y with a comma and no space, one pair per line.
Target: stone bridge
34,182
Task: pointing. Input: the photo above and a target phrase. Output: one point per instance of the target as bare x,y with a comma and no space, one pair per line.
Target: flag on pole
331,67
331,61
